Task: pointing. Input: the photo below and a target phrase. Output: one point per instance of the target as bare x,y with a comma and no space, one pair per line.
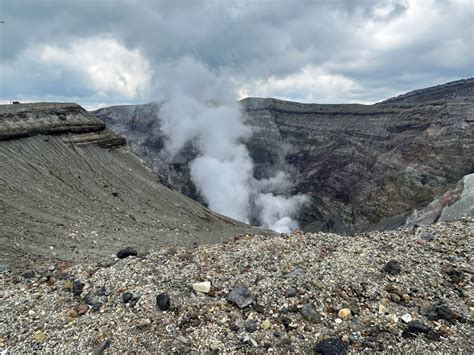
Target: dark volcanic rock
77,287
163,301
28,274
330,346
126,252
393,267
364,166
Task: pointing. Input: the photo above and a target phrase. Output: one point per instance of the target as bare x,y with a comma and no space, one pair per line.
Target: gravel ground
407,291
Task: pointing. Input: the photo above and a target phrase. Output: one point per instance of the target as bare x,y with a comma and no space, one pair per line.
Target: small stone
266,324
127,297
250,326
28,274
31,312
39,336
406,318
309,314
234,327
382,309
96,306
392,318
102,347
405,298
438,311
287,323
338,320
393,267
126,252
77,288
163,301
294,273
427,236
444,330
241,296
416,326
203,287
330,346
395,298
68,284
144,324
291,292
81,309
344,314
258,308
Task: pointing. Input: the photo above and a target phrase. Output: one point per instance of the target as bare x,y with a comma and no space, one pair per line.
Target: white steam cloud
200,108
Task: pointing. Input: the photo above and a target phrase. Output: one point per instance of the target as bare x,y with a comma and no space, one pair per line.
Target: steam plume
200,108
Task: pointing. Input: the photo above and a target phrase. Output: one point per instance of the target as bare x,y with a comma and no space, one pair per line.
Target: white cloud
110,68
310,84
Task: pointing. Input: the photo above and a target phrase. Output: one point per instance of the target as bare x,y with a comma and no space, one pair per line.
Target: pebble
291,292
241,296
266,324
405,298
382,309
417,326
28,274
309,314
406,318
203,287
250,326
344,314
163,301
392,318
393,267
126,252
330,346
127,297
77,287
294,273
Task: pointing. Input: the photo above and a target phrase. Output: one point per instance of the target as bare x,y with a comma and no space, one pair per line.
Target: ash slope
71,190
298,284
364,166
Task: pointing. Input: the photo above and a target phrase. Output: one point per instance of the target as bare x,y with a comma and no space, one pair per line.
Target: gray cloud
354,50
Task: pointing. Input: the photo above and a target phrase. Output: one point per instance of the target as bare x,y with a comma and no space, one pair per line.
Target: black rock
234,327
287,323
28,274
250,326
241,296
308,313
258,308
163,301
126,252
291,292
330,346
77,287
102,292
440,311
393,267
96,306
127,297
416,326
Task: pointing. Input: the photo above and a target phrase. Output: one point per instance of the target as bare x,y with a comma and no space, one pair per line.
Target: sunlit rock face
363,166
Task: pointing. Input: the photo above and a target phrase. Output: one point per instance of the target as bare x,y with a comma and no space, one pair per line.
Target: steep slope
364,166
81,194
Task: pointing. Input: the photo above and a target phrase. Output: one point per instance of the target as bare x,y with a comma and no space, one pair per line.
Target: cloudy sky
107,52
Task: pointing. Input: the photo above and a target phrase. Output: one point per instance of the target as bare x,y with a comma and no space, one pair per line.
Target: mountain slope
81,194
364,166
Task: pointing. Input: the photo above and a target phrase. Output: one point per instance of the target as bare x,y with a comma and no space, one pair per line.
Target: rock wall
364,166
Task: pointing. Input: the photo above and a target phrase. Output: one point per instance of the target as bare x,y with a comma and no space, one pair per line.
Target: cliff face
70,190
364,166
